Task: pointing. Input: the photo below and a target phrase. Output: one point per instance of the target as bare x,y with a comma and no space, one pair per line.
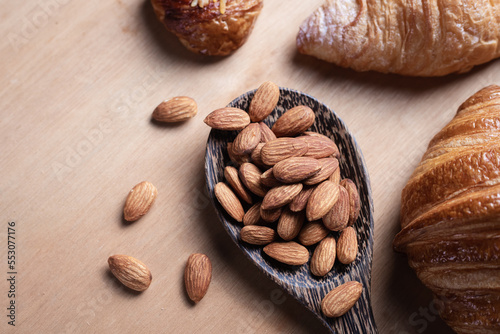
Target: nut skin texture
322,199
266,133
354,200
209,30
295,169
197,276
139,201
264,101
228,119
347,245
300,201
231,176
252,216
279,196
257,235
341,299
323,258
289,252
289,224
176,109
338,217
293,122
320,146
312,233
229,201
130,272
247,139
328,166
250,177
282,148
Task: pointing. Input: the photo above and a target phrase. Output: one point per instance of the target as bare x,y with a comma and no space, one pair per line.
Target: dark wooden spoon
298,281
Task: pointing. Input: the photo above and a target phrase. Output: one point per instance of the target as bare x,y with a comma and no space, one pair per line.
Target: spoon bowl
298,280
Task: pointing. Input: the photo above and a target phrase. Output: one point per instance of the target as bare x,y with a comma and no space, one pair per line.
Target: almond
231,176
257,235
312,233
287,252
320,146
299,202
294,121
267,178
328,166
335,177
229,201
266,134
197,276
338,217
139,201
341,299
264,101
131,272
270,215
290,224
322,199
255,157
323,257
295,169
347,246
237,159
228,119
281,148
354,200
280,196
252,216
250,176
176,109
247,139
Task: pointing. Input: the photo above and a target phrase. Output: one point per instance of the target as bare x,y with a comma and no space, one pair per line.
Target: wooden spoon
298,281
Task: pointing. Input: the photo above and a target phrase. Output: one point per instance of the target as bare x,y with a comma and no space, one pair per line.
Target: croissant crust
417,38
209,29
450,216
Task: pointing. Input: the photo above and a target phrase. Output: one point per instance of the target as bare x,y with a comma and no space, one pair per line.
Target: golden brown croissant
211,27
418,38
450,216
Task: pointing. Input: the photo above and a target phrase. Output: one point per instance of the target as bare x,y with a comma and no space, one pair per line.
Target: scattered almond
323,257
229,201
197,276
289,252
280,195
264,101
347,246
312,233
322,199
338,217
228,119
139,201
294,121
295,169
257,235
131,272
341,299
176,109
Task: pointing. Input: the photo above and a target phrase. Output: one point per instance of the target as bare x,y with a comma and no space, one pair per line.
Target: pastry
450,217
215,28
416,38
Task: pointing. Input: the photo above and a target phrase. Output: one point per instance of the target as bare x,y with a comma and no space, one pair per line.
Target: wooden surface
80,80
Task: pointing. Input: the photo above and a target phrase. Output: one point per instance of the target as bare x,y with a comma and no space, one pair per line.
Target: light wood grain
78,91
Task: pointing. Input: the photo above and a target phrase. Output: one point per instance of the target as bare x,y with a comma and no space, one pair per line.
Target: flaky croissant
417,38
210,27
450,216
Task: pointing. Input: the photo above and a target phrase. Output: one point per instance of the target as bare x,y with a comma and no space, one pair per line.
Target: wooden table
80,80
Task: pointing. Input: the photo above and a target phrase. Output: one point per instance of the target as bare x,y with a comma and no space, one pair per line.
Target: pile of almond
289,179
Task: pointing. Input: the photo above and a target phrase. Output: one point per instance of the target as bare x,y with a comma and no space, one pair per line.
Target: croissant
415,38
450,216
210,27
